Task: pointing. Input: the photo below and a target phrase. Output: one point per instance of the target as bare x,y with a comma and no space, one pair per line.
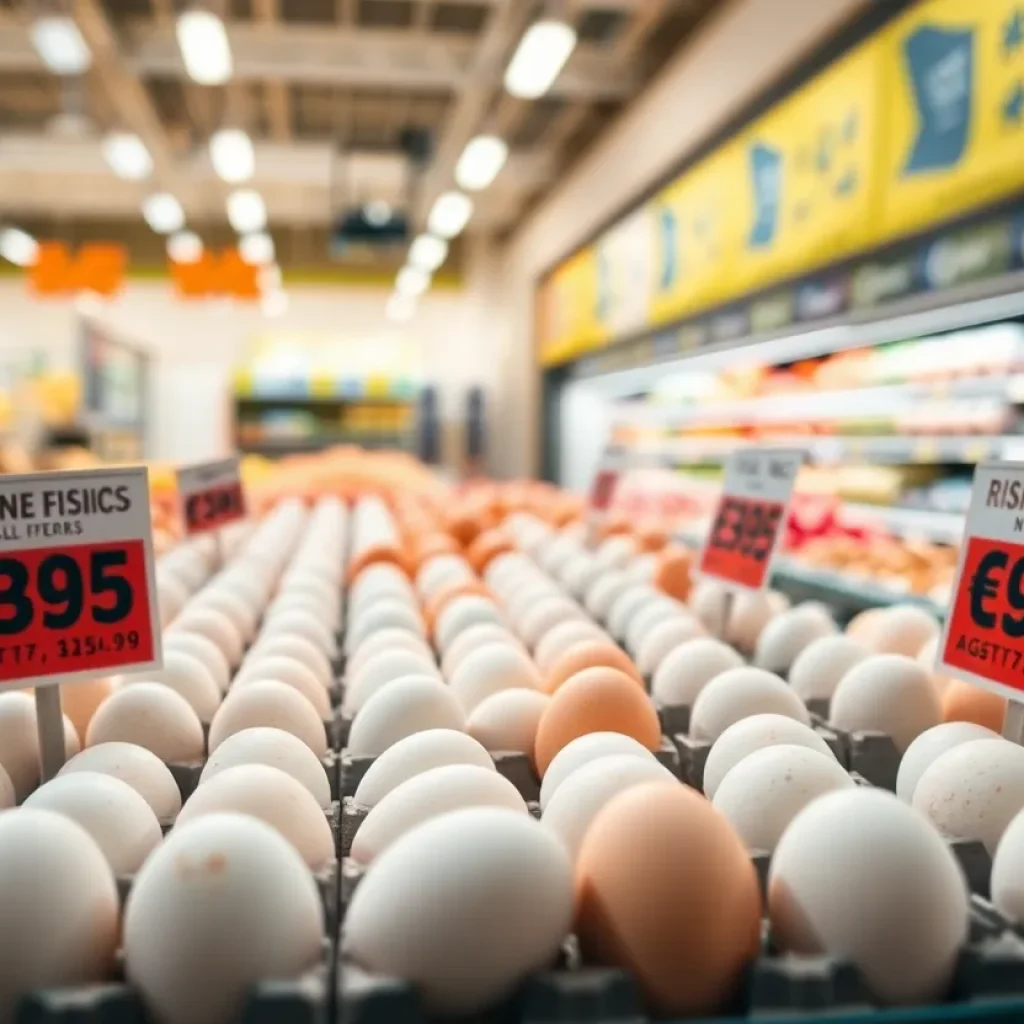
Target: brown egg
597,699
862,626
375,553
589,654
666,890
79,701
426,546
440,600
962,702
672,572
652,536
487,547
613,523
463,524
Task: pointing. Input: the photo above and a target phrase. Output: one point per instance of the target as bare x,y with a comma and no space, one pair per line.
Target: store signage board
77,579
750,519
211,495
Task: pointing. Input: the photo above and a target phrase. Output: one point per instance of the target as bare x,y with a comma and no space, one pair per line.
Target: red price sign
211,495
77,591
603,491
750,516
983,640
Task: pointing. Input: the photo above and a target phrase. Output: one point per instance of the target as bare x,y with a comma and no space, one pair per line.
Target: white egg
507,721
616,552
418,753
642,568
441,571
786,635
903,629
648,617
581,796
557,552
60,934
297,624
460,614
291,672
491,669
388,639
905,938
579,573
1007,883
930,746
604,592
404,707
153,716
738,693
120,821
544,616
296,647
376,672
503,569
271,704
215,626
688,668
663,638
171,596
751,611
708,601
205,650
188,677
473,638
139,768
19,741
556,641
628,603
492,919
383,614
230,605
974,790
754,733
223,874
582,751
7,795
887,693
817,669
431,793
531,593
327,614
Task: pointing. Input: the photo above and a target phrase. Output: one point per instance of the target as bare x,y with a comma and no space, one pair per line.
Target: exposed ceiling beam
276,91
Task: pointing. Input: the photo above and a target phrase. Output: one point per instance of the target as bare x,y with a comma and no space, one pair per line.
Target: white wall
743,49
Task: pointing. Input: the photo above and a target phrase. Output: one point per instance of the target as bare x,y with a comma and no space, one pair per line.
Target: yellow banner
569,310
954,83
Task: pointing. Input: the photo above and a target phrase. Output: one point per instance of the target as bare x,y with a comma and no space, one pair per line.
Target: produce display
419,753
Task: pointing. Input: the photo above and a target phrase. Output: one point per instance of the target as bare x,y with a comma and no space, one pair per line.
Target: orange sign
96,267
216,274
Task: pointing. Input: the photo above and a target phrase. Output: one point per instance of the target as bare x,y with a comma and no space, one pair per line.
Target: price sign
77,585
211,495
603,491
983,641
750,517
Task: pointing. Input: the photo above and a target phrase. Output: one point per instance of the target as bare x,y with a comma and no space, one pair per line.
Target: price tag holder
751,516
211,495
602,493
77,582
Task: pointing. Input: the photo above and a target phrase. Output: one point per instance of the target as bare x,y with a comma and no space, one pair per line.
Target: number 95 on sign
73,609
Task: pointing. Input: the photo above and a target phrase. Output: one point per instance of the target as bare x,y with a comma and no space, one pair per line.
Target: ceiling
329,91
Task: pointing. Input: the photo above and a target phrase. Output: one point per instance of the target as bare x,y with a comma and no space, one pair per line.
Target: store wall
739,53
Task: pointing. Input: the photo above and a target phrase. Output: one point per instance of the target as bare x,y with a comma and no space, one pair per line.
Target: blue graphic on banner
941,66
766,172
1013,107
1013,33
668,226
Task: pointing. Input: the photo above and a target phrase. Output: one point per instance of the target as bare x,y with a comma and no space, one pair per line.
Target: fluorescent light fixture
204,47
412,282
481,160
427,253
257,249
246,211
275,303
163,213
400,308
539,58
127,156
60,45
232,155
449,214
269,279
18,247
377,212
185,247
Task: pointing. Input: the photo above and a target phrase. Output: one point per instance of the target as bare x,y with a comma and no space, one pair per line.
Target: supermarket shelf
940,527
275,447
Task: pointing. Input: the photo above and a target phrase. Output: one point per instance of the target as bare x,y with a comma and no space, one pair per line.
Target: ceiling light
257,249
274,303
427,253
163,213
18,247
400,307
480,162
185,247
412,282
246,211
449,214
60,45
232,155
204,47
377,213
539,58
127,156
269,279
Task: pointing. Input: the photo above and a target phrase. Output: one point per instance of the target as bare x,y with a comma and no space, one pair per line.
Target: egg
7,795
604,592
118,819
626,606
387,640
171,596
223,874
786,635
1007,883
276,748
150,715
672,572
439,572
902,629
188,677
738,693
663,638
436,605
754,733
544,616
383,579
616,552
460,615
60,934
273,705
295,623
930,746
579,573
761,794
404,707
139,768
293,673
973,790
471,639
19,741
643,568
503,569
688,668
508,720
491,920
887,693
203,649
589,654
380,670
905,937
578,800
489,670
926,658
557,640
80,700
582,751
817,669
708,601
666,891
647,618
215,626
962,702
597,699
415,754
751,611
861,627
232,607
388,612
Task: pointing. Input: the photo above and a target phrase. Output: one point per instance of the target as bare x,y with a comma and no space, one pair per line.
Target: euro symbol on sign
983,586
